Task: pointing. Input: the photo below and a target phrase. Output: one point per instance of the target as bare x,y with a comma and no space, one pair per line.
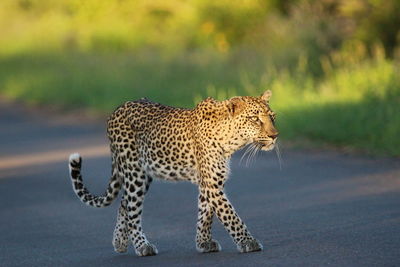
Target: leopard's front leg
225,212
204,242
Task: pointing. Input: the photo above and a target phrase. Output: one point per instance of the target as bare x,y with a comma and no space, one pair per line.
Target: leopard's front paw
147,249
208,246
249,246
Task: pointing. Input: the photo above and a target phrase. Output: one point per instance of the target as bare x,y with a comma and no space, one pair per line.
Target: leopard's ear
266,95
234,106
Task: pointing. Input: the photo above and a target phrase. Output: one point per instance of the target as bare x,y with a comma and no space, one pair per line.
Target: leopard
149,140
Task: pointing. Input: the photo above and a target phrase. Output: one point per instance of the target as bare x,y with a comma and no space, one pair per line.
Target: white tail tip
74,157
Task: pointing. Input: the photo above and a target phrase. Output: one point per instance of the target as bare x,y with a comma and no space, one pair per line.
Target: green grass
101,81
324,60
354,105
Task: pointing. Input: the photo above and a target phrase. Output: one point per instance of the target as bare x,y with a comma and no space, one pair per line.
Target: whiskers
251,152
278,155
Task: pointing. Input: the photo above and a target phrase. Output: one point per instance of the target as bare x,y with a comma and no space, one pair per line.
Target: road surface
322,207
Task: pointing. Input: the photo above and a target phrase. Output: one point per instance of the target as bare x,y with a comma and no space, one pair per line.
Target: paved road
322,208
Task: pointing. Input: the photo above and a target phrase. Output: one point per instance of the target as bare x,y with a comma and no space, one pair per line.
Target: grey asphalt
322,208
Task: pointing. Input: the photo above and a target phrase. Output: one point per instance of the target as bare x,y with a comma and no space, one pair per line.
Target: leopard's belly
172,172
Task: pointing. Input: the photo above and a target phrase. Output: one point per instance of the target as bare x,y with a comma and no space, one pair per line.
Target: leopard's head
252,121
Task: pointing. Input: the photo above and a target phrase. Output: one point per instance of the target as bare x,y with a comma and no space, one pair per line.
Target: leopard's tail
75,163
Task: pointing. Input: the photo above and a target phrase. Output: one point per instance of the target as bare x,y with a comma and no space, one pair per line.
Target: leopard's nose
274,136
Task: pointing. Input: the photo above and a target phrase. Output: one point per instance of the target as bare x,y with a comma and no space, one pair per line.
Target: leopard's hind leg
120,237
129,226
136,188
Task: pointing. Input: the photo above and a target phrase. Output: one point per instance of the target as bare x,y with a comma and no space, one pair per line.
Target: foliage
332,64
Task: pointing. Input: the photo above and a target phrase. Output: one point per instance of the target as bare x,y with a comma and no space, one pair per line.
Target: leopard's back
158,137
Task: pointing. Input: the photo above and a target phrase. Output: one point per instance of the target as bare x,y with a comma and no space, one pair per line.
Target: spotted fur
149,140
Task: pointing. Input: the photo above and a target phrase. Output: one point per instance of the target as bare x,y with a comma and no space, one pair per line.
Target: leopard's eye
253,118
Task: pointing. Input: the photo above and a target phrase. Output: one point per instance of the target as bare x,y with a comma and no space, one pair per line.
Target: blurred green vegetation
333,65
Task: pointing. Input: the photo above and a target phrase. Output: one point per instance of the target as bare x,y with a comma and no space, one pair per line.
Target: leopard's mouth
266,144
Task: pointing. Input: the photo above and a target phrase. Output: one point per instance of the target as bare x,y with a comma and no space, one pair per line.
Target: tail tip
75,159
